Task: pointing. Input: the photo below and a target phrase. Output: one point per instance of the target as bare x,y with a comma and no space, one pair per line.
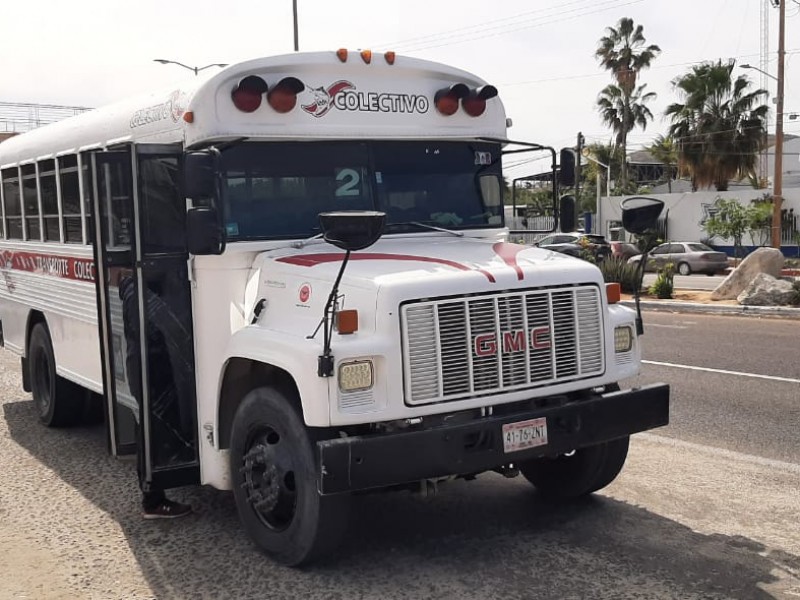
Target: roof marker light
188,116
366,56
341,53
446,99
389,56
247,95
475,103
283,96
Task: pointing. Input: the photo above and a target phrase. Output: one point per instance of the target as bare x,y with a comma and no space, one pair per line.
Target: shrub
616,270
663,287
794,299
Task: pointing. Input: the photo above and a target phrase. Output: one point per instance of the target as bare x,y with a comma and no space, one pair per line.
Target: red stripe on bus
55,265
310,260
508,252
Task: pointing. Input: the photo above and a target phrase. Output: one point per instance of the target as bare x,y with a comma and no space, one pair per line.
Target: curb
777,312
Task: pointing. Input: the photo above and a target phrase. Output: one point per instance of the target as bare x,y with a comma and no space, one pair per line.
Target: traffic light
566,173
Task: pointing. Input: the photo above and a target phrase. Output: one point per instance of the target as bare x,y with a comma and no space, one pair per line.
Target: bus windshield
274,190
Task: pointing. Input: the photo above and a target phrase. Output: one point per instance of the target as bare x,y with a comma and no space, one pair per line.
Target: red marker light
247,95
475,103
283,96
446,99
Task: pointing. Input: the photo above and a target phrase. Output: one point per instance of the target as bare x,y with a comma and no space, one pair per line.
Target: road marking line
721,371
667,326
732,454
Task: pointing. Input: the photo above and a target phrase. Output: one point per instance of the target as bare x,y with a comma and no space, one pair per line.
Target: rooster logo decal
323,98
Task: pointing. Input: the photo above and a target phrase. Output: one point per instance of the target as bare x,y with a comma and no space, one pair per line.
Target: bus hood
418,267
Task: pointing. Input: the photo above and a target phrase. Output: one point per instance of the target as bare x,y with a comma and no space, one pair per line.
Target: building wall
686,213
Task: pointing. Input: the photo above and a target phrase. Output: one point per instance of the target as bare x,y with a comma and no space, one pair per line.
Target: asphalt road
705,508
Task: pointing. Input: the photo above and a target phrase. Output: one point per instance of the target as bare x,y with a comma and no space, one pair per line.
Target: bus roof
335,99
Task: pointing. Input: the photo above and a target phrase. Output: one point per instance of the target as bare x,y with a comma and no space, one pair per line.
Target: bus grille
464,347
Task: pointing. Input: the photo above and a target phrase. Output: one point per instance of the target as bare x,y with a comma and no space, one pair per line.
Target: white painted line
721,371
731,454
667,326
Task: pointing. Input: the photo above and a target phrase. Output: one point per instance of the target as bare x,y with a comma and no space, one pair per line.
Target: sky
539,54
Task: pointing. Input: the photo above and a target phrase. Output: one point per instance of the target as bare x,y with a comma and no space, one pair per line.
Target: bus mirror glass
640,214
199,174
568,215
203,231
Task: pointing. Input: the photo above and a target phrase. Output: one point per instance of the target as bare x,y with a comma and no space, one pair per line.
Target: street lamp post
196,70
587,155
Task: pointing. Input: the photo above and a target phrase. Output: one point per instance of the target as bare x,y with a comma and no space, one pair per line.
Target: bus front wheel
275,482
59,402
579,473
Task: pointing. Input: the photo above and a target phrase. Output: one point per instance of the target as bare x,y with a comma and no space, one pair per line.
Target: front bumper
381,460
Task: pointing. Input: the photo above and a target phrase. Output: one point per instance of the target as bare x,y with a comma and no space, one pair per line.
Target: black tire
59,402
275,482
684,269
579,474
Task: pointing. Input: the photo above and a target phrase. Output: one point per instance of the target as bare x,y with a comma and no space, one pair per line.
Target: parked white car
688,258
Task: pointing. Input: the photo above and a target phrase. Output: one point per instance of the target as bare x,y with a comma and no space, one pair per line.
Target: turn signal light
475,103
446,99
347,321
247,95
613,293
283,97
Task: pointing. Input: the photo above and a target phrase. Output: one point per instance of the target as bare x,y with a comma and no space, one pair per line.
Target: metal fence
18,117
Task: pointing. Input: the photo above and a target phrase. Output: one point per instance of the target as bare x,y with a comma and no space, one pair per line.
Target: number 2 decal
350,180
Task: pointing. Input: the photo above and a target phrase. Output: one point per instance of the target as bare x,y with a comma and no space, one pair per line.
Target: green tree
665,150
720,125
733,220
624,52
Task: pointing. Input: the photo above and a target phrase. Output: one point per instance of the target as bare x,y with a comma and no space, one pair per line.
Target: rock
765,290
763,260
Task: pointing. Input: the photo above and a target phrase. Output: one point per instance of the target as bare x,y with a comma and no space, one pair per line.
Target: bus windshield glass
276,190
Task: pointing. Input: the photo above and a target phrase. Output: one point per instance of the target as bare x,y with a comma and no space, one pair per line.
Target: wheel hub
268,476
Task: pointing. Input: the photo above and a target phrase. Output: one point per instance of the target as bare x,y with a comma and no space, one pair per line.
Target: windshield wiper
425,226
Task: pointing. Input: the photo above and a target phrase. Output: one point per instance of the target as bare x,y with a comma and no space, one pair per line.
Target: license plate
524,435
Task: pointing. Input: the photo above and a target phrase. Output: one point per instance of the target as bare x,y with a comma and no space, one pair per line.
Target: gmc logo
513,341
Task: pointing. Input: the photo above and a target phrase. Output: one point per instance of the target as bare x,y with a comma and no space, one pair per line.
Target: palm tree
622,112
624,52
720,126
665,151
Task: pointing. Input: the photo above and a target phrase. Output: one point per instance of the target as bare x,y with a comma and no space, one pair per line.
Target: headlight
623,339
357,375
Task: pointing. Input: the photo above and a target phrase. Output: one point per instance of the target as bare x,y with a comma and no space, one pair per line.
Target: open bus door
145,309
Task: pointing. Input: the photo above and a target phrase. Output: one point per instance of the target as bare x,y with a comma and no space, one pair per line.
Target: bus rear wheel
59,403
275,482
579,473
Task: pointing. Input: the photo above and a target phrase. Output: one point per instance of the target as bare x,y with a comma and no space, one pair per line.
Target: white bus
166,254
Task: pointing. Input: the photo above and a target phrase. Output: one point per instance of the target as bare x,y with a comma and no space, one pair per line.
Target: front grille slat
458,348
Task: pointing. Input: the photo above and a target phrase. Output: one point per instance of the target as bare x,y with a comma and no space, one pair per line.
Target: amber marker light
366,56
347,321
341,53
188,116
613,293
389,56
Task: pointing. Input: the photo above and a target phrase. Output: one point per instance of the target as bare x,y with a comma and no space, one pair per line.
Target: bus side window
86,195
70,198
12,204
163,208
49,194
30,199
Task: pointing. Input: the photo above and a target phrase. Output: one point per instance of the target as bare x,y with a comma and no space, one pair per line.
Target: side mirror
566,173
204,233
199,175
352,230
640,214
567,214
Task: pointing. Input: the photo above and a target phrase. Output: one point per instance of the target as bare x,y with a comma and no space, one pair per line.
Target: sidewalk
716,308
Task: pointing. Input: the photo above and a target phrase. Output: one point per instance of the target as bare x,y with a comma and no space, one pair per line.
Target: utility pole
777,189
294,12
579,153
